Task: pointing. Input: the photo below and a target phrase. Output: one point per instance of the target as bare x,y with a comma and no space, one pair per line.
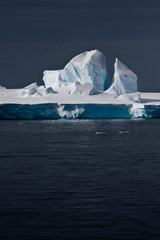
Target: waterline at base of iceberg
78,111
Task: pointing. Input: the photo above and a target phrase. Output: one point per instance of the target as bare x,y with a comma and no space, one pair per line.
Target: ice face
29,90
51,78
81,111
124,80
87,67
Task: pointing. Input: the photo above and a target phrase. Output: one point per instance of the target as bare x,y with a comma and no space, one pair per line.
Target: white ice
85,89
87,67
29,90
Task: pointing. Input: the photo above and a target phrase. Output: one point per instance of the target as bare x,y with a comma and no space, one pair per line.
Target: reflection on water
80,179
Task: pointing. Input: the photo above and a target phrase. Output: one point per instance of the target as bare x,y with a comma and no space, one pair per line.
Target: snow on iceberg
124,80
134,97
84,89
87,67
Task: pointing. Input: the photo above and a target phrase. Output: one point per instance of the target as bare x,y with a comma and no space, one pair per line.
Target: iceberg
81,91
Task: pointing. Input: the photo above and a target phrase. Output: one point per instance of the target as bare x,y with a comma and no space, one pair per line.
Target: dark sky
45,34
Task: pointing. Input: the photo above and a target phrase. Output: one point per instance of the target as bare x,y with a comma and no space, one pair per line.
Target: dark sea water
80,179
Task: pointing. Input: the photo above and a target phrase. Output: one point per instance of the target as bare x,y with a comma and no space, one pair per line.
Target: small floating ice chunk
100,133
123,132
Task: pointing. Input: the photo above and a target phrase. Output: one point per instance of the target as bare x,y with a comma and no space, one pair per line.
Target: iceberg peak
87,67
94,57
122,69
124,80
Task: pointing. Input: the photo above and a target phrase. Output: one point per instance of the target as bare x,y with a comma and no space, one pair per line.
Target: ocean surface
80,179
